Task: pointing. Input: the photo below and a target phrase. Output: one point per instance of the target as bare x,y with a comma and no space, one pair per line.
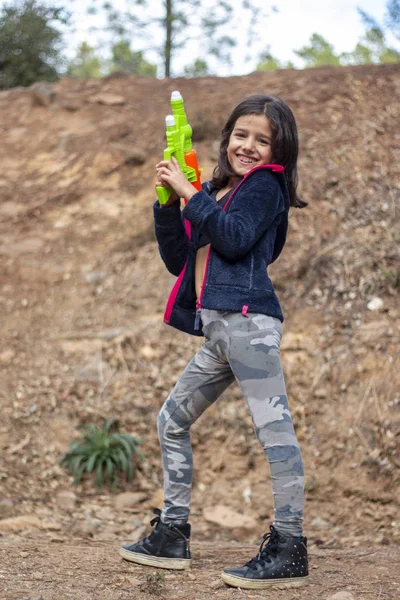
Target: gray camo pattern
245,349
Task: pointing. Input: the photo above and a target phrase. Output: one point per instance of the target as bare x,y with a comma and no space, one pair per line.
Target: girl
220,246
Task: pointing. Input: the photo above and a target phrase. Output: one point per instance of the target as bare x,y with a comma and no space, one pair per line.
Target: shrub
105,452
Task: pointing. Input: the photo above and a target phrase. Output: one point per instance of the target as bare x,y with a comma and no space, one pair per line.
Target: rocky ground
82,293
35,569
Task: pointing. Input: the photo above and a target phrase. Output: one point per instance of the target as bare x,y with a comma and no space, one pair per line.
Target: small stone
108,99
319,523
88,527
375,304
6,356
226,517
95,276
42,94
66,500
70,106
104,513
21,522
342,596
133,581
148,352
127,500
216,585
105,536
321,393
6,508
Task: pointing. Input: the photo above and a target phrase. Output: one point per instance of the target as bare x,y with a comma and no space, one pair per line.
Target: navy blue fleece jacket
246,236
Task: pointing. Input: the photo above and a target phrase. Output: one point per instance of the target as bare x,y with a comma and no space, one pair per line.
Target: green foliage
372,49
268,62
198,68
391,277
127,61
155,583
167,26
104,452
30,42
319,52
85,65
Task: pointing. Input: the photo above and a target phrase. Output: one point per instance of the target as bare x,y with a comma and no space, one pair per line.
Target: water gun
179,145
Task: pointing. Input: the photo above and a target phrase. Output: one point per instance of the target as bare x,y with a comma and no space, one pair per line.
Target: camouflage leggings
245,349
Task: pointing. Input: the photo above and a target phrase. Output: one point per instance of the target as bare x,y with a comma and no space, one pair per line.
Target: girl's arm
173,243
255,206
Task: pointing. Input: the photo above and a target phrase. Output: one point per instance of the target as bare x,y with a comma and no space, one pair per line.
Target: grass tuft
105,452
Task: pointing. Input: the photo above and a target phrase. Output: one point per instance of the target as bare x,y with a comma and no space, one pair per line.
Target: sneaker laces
156,520
265,553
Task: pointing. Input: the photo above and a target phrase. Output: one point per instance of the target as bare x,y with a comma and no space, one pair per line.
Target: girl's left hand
169,172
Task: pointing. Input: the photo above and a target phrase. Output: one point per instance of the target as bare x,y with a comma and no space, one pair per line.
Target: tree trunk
168,37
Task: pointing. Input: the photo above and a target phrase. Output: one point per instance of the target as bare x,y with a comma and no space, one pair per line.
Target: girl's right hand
173,198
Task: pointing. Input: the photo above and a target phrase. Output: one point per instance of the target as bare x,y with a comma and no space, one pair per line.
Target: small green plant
155,583
392,277
105,452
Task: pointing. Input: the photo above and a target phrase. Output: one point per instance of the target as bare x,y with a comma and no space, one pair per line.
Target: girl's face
250,143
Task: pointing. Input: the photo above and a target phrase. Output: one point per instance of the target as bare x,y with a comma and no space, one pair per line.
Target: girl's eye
264,142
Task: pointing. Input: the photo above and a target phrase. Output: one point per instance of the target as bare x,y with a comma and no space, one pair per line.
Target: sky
284,31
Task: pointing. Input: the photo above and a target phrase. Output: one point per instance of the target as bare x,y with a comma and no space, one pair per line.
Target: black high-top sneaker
282,563
167,547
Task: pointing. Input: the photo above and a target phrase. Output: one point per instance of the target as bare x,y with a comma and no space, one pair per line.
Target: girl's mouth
245,160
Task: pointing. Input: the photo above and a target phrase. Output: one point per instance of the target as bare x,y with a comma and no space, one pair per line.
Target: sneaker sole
259,584
156,561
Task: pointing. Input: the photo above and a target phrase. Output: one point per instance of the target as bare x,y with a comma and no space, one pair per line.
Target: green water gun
179,145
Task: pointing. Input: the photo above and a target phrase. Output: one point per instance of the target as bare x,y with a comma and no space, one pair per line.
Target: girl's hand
172,199
169,173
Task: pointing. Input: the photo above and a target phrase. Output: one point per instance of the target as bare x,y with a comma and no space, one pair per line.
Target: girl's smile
250,143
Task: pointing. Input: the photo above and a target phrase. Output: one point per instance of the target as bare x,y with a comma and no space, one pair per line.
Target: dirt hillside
82,293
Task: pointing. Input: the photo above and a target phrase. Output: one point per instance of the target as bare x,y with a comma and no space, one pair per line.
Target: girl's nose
248,145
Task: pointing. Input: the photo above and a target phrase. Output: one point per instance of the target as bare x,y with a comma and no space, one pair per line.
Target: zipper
198,315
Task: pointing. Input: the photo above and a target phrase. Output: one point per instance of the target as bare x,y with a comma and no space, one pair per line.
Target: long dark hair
284,144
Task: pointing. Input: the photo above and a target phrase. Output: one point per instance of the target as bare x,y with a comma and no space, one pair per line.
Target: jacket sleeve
173,243
256,204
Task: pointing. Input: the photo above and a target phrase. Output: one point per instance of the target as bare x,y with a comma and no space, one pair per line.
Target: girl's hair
284,144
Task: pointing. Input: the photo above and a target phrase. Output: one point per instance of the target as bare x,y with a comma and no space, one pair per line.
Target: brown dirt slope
82,293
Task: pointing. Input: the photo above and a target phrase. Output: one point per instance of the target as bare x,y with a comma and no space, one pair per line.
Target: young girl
220,246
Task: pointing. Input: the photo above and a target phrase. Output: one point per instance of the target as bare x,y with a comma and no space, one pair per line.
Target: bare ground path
34,569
